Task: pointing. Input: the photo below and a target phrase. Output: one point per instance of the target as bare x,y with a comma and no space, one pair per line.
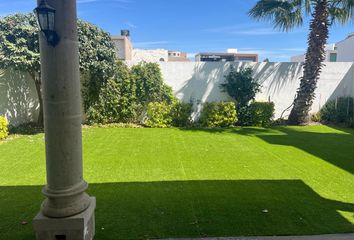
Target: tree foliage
19,44
117,101
241,86
149,84
126,96
97,60
19,49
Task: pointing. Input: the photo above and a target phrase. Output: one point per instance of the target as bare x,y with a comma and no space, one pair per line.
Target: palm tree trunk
315,56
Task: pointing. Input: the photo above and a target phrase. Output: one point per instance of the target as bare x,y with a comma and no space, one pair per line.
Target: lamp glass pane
51,21
43,20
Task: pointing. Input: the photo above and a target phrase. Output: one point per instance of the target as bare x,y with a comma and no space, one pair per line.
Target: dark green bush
117,101
4,131
338,111
181,114
261,114
149,84
218,114
158,115
241,86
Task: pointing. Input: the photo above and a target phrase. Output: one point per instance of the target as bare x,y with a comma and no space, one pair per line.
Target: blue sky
190,25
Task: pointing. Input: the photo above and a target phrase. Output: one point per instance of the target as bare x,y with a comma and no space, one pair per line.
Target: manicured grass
160,183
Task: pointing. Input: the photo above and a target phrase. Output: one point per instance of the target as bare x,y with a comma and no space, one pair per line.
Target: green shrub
4,131
116,102
315,117
158,115
340,110
218,114
241,86
261,114
149,84
181,114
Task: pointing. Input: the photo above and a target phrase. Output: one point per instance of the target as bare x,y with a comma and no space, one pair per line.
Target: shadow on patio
190,209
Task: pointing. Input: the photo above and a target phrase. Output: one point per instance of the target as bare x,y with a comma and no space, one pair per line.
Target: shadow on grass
190,209
335,148
26,129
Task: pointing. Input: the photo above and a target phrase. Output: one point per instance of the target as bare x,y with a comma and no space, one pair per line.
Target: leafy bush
19,47
149,84
261,114
315,117
218,114
181,114
116,102
4,132
97,60
340,110
158,115
241,86
163,115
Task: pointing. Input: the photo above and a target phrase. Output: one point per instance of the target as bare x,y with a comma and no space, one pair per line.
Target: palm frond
284,14
341,11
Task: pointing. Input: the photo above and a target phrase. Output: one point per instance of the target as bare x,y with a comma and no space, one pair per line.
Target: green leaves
285,15
241,86
288,14
149,84
218,114
19,49
126,95
116,102
4,131
19,45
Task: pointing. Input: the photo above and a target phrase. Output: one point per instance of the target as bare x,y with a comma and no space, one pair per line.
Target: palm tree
288,14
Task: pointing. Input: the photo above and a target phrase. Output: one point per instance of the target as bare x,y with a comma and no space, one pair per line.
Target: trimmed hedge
158,115
218,114
4,130
261,113
181,114
162,114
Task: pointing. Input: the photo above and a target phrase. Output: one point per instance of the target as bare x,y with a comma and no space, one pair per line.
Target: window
333,57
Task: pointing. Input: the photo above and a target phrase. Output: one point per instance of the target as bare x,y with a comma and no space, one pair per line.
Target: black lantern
46,21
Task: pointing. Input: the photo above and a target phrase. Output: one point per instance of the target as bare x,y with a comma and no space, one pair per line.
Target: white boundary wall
198,82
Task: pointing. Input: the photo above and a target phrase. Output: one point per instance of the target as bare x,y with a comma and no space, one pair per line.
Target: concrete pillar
67,212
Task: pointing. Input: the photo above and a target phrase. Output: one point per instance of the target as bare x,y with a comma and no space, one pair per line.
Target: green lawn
160,183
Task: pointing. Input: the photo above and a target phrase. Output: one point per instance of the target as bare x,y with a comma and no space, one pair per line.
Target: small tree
97,60
19,49
149,84
117,101
241,86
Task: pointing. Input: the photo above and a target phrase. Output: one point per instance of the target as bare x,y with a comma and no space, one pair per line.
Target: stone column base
78,227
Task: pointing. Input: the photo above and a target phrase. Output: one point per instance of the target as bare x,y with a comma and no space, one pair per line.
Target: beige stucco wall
123,47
